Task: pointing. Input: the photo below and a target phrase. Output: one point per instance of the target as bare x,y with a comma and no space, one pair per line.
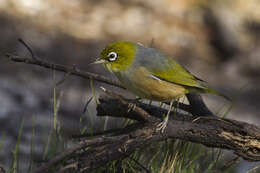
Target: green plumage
139,68
165,68
175,73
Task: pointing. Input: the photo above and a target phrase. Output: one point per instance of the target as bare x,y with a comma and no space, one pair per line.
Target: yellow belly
143,85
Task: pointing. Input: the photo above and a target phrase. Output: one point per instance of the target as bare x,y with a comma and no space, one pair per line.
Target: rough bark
240,137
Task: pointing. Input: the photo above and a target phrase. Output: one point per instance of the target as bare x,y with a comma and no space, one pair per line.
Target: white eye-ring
112,56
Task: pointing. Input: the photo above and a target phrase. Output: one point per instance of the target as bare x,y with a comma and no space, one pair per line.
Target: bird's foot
162,125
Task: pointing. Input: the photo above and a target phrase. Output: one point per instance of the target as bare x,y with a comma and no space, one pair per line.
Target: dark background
219,41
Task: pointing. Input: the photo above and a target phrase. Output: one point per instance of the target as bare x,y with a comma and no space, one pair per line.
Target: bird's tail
212,91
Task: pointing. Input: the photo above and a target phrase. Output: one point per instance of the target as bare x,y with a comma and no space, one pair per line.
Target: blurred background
217,40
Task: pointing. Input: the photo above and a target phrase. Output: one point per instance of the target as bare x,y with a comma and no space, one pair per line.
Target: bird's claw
162,125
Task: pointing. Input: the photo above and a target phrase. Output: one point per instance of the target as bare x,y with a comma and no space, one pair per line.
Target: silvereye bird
149,73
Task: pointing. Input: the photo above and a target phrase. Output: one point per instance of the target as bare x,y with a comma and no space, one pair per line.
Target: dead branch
197,106
240,137
66,69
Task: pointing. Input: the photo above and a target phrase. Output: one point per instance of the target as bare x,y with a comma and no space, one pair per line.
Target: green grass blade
30,169
93,91
54,109
15,164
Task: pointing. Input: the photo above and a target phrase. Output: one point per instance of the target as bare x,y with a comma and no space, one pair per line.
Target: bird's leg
161,126
177,107
132,106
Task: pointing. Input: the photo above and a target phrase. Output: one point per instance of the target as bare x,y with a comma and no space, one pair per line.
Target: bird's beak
99,61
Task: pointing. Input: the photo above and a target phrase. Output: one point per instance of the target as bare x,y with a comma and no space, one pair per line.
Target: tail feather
212,91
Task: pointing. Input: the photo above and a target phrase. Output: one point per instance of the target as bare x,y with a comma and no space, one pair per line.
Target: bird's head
117,56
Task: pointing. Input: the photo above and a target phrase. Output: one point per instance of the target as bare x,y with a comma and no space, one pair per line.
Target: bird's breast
141,83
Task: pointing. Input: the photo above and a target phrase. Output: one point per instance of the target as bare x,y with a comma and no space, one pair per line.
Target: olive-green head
117,56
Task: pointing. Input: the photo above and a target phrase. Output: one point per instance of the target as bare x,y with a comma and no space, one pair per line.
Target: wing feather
173,72
165,68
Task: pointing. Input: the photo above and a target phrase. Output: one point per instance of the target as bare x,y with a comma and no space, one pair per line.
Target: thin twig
63,68
28,48
86,105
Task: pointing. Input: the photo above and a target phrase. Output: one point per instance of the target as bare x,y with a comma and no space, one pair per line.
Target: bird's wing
171,71
165,68
175,73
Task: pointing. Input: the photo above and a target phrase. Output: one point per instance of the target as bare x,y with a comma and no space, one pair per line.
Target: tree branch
195,100
63,68
242,138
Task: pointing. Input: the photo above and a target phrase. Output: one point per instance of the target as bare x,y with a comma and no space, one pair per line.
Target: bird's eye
112,56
